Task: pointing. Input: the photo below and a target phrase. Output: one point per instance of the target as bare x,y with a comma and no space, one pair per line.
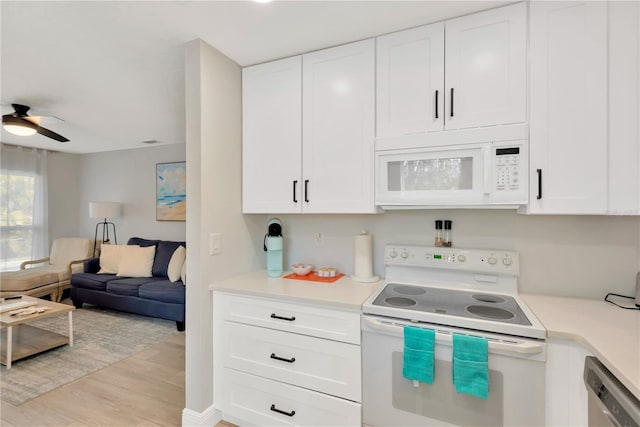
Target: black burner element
488,298
490,312
410,290
400,301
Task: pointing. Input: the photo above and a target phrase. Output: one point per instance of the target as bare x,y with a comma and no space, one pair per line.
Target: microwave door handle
487,169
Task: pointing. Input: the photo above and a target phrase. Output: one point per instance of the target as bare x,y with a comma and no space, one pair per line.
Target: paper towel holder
366,246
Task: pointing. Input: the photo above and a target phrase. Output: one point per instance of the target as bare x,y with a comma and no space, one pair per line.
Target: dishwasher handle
446,337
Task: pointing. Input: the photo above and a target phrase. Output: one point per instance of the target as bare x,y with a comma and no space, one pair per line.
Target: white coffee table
24,340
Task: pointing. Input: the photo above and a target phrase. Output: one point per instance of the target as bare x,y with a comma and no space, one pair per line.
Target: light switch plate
214,244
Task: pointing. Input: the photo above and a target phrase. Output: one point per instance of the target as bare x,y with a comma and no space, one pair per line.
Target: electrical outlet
214,244
318,238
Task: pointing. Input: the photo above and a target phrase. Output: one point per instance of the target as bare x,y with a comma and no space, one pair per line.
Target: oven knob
404,254
462,258
506,261
393,253
492,261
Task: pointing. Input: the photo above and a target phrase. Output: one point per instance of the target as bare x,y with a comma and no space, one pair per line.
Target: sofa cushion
96,282
67,249
128,286
109,258
138,241
163,290
176,263
135,261
163,256
25,280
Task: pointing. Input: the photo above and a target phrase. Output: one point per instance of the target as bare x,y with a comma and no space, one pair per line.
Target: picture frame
171,191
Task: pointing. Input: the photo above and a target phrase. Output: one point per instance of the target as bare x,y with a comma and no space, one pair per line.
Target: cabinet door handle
306,190
539,172
437,104
451,103
288,414
288,319
295,183
282,359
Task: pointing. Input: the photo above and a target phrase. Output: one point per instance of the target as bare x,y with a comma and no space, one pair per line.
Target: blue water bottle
273,244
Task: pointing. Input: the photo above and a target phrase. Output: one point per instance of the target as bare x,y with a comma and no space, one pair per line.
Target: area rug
101,337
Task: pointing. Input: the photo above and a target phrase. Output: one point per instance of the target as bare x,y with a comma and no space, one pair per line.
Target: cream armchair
48,276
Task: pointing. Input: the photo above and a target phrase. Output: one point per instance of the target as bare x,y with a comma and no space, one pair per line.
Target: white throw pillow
176,263
109,255
183,273
136,261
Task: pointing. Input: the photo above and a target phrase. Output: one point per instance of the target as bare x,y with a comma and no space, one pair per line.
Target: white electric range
452,291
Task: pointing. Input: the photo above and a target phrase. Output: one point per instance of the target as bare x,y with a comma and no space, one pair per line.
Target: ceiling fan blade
51,134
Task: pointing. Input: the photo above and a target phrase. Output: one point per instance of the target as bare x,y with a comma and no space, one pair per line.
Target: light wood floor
146,389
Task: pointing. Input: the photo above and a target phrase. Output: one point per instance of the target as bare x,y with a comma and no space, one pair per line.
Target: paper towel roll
363,258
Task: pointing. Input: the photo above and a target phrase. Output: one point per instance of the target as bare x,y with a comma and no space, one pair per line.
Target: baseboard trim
209,417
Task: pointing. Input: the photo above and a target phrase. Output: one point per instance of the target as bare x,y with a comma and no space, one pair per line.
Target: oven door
451,175
516,376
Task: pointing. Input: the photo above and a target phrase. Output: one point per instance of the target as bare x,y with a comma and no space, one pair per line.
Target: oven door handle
445,337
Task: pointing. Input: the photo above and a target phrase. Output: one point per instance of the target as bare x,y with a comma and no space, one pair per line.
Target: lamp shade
105,209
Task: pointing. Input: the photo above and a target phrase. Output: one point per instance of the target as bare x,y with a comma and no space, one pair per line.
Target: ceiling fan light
20,130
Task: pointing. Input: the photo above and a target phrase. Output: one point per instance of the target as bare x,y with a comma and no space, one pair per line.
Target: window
23,203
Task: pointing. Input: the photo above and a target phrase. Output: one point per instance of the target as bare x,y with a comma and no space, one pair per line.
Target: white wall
213,103
583,256
126,176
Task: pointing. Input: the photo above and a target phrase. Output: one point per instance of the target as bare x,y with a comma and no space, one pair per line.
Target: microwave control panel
508,172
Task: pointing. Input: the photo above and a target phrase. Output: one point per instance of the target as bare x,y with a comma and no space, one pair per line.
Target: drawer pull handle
288,319
273,356
288,414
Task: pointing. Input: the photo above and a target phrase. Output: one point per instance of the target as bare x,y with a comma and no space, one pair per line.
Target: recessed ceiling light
262,1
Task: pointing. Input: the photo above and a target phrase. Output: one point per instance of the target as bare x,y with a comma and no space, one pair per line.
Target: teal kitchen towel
418,357
471,365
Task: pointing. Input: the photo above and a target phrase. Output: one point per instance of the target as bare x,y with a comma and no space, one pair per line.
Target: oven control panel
479,260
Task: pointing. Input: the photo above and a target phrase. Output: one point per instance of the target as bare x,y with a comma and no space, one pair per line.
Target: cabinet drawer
318,322
327,366
257,401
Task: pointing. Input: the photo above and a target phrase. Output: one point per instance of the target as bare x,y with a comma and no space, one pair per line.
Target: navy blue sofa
153,296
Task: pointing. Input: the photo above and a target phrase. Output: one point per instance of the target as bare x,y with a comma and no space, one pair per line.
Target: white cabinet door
568,117
271,137
624,108
410,81
486,57
338,129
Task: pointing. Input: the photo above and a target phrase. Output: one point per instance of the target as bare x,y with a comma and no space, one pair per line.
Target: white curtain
23,206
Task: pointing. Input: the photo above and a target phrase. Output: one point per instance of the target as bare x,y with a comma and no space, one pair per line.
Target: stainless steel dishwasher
610,403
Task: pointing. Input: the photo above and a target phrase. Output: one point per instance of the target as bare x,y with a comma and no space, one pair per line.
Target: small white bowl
302,269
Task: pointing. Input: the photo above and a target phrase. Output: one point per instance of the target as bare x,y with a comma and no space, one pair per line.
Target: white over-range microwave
481,174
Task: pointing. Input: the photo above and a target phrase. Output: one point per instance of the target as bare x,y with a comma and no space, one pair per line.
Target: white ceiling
114,70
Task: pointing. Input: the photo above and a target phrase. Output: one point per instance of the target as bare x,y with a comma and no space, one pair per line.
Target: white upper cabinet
271,137
568,117
308,132
481,83
624,108
410,81
486,60
338,117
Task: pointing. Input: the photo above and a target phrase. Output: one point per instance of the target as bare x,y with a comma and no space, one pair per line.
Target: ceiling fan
20,123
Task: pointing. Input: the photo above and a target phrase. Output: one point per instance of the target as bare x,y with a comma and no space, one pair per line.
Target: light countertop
344,293
612,334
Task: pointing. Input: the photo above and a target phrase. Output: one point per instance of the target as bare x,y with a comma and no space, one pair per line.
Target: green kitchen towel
471,365
418,356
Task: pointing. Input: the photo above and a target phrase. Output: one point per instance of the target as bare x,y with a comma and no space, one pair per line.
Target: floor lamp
104,210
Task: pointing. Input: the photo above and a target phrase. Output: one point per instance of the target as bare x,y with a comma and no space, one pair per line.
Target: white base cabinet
566,394
273,363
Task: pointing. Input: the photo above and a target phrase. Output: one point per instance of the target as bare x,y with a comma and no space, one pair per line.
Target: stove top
467,288
473,305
